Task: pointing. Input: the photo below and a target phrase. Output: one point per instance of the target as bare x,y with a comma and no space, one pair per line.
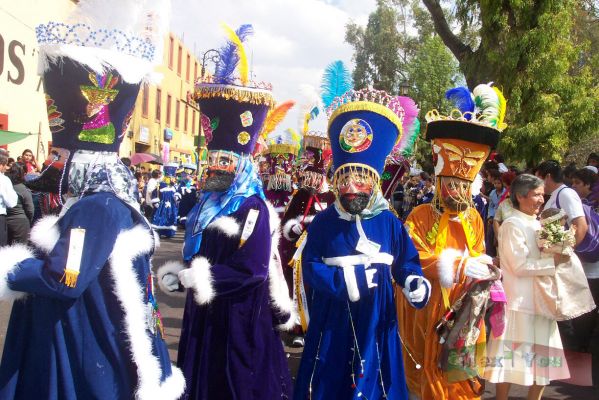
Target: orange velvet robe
417,327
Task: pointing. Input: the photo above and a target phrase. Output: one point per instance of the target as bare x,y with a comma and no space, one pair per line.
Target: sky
293,40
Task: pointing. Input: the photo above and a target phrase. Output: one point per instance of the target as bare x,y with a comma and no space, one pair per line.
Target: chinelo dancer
85,323
449,236
236,293
353,252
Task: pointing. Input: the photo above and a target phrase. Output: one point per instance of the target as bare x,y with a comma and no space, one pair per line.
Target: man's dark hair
494,174
424,175
499,158
593,157
550,167
126,161
16,173
586,176
3,159
569,170
156,174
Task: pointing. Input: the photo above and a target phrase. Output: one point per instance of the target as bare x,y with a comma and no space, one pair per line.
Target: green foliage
377,49
543,56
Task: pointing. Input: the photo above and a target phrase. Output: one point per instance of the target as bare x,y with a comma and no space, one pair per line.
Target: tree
432,70
532,51
378,50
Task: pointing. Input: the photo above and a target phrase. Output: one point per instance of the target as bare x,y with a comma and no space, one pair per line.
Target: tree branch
459,49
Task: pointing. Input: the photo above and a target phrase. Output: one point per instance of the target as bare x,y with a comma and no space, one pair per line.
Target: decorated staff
449,236
230,347
85,323
352,251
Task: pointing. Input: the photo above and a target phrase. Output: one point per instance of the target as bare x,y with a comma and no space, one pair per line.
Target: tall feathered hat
363,126
93,65
233,109
463,139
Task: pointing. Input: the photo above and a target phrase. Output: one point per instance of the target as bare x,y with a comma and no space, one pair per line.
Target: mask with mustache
218,181
354,203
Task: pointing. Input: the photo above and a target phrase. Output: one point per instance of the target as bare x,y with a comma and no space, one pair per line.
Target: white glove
370,271
477,267
171,282
417,295
297,229
187,279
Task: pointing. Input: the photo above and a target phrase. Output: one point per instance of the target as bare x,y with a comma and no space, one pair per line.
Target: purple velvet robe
229,348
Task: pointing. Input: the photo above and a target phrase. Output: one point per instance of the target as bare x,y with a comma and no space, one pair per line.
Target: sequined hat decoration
234,107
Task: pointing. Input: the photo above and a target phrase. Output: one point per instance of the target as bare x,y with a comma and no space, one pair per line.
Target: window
168,110
186,115
179,57
195,72
177,113
187,68
145,100
171,54
158,101
193,122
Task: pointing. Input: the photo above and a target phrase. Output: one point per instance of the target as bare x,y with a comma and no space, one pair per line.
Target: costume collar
378,205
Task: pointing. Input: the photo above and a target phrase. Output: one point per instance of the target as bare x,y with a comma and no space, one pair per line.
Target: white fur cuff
446,266
291,323
44,234
170,267
199,279
10,257
349,274
227,225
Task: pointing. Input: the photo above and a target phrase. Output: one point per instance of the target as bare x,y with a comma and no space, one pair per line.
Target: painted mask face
455,193
221,170
355,190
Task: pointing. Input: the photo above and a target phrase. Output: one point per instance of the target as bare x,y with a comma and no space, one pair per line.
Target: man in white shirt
581,333
8,198
151,197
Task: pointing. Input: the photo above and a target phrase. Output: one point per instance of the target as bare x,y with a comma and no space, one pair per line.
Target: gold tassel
69,278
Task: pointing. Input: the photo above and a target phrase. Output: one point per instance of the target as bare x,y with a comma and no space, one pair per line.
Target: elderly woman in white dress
530,351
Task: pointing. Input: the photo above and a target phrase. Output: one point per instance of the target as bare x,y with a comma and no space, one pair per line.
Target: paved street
171,308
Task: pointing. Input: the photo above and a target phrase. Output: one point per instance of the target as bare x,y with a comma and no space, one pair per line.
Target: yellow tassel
69,278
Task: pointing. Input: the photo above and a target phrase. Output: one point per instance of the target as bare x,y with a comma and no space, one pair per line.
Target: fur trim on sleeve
445,266
349,274
10,257
227,225
170,267
202,281
295,221
45,234
291,323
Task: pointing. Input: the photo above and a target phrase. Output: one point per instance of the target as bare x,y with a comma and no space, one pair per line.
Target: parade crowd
397,283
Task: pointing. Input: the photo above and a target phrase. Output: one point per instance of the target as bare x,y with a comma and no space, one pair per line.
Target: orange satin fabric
417,327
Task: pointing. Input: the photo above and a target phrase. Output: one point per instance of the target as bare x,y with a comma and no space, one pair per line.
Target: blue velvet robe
331,355
188,200
68,343
164,220
229,348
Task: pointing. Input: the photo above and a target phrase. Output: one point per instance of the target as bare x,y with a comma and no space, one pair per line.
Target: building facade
22,100
164,122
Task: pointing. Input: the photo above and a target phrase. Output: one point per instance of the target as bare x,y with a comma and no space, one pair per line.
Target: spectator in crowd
19,217
10,162
504,208
495,196
29,162
8,197
569,201
411,190
500,164
525,332
593,160
427,192
569,173
583,182
151,194
141,183
582,333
